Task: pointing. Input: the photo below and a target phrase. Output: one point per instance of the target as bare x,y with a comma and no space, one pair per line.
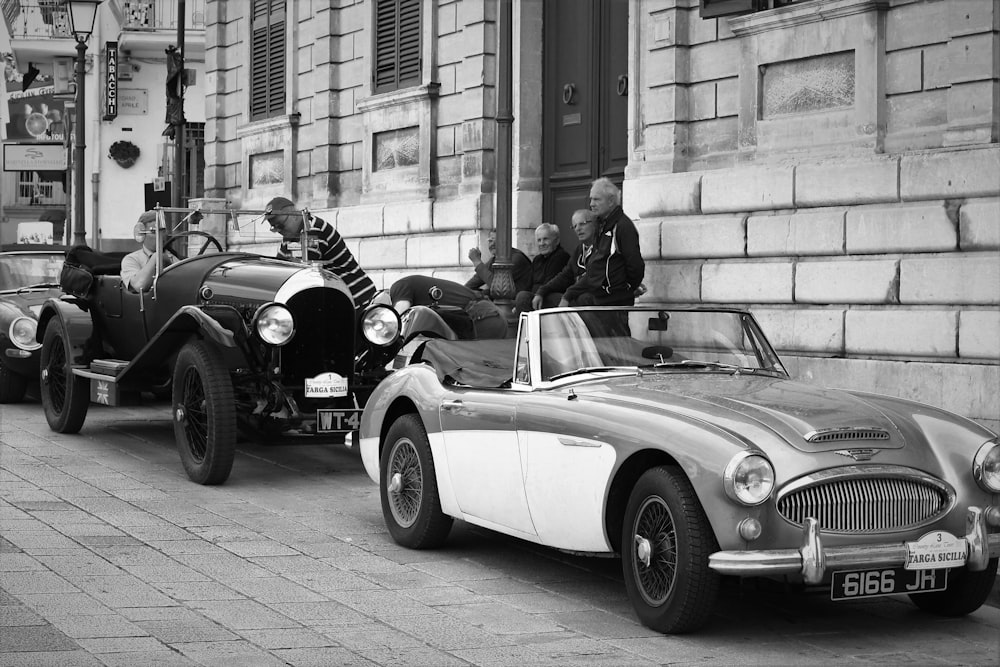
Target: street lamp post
81,17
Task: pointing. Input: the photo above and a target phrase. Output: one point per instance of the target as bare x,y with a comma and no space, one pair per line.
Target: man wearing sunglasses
329,248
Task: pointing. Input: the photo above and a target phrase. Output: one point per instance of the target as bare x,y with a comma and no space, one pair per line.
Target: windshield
610,340
22,270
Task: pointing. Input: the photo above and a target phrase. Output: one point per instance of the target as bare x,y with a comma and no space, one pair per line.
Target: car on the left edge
29,274
243,344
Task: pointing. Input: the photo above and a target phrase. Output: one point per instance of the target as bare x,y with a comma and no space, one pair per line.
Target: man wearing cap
139,267
330,248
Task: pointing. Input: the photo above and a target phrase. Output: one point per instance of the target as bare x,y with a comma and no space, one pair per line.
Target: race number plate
337,421
873,583
326,385
935,550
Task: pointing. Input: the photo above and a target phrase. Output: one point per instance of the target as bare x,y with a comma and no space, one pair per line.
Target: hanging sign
111,81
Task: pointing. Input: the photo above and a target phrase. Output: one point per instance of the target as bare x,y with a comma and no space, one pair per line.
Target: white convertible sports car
676,439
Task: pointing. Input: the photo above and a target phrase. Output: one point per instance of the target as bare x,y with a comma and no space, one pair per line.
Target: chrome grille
866,504
840,434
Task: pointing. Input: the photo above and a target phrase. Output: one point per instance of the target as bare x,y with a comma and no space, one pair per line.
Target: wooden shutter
397,44
267,59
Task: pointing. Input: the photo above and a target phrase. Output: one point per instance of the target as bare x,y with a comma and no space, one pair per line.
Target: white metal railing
39,20
160,14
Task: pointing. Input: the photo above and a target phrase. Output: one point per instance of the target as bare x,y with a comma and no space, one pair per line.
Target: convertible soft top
485,364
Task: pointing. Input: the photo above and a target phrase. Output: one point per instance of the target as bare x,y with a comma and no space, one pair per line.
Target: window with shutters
397,45
267,59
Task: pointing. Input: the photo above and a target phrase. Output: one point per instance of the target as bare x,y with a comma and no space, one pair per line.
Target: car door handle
577,442
452,406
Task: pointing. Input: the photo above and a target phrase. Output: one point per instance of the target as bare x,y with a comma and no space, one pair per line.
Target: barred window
397,45
711,9
267,59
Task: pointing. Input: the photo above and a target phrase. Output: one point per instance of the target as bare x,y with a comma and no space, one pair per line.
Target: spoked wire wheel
196,421
204,413
408,488
655,551
65,396
405,480
666,544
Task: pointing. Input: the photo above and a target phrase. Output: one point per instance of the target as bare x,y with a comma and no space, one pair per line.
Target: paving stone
287,638
230,654
75,658
192,628
198,590
323,657
121,645
41,638
243,614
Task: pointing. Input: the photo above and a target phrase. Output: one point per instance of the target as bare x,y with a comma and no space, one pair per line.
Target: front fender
187,322
71,315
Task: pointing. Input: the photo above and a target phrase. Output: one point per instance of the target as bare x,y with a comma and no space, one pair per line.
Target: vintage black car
29,274
237,340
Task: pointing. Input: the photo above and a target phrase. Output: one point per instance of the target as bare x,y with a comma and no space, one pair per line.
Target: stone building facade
831,165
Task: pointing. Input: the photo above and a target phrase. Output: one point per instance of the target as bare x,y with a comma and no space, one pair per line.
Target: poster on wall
35,115
33,112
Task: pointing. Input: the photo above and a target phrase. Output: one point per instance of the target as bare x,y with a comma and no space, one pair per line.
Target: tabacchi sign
111,81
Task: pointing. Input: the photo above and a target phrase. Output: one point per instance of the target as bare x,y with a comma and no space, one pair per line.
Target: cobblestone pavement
110,556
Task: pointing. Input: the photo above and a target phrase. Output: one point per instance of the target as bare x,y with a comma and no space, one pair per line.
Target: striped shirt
336,257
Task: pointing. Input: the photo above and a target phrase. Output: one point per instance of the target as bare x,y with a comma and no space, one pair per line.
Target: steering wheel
209,240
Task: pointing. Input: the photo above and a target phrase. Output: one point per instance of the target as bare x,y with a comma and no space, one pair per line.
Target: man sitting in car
330,248
139,267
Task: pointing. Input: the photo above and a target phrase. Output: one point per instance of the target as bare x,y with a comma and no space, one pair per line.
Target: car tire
666,542
12,385
65,397
411,505
966,592
204,413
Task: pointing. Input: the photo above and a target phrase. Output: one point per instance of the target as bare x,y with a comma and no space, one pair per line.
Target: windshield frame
589,359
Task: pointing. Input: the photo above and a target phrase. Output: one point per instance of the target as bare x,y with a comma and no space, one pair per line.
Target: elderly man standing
550,260
330,248
616,247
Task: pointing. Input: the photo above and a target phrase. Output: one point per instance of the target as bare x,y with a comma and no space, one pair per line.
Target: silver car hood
810,418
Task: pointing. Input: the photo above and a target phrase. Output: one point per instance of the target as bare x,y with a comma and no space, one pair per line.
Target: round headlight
22,333
380,326
986,467
274,324
749,479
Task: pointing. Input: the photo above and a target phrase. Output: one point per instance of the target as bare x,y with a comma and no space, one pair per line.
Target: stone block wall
890,287
862,230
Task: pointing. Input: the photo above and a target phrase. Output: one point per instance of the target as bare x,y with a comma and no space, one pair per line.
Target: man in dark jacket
586,279
550,260
616,248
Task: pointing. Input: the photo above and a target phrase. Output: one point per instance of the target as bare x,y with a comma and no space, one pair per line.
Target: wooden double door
585,103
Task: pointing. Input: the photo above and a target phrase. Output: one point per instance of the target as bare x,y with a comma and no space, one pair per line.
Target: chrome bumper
812,560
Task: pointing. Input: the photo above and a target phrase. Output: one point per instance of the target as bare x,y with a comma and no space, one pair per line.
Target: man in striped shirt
329,247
